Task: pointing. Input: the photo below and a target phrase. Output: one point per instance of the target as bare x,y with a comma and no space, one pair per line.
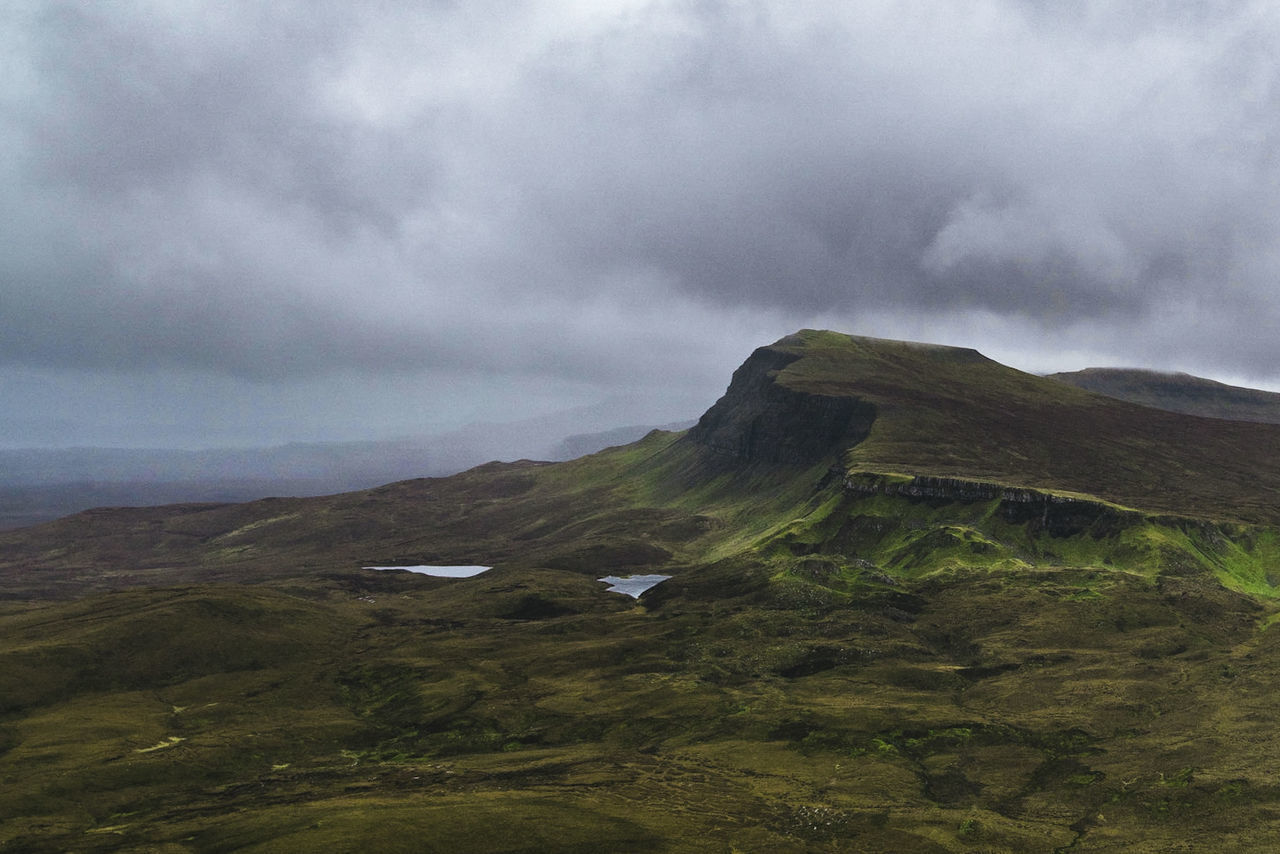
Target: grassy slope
829,670
1017,711
1178,393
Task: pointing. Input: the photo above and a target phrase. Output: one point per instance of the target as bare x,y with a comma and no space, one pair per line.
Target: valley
916,601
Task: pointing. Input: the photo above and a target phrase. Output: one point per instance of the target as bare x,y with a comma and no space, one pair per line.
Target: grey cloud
870,193
542,190
135,104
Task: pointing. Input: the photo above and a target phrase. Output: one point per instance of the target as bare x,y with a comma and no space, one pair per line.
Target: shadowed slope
761,420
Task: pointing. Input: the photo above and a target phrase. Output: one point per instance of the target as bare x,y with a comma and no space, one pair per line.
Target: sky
239,223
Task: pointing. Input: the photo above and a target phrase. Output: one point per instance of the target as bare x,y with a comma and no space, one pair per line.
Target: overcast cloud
250,222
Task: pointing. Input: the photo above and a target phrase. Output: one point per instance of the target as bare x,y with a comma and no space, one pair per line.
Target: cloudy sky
242,222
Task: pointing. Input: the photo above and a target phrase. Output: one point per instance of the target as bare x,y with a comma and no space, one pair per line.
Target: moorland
919,601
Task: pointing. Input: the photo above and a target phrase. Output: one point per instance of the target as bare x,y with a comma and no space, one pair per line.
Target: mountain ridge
799,415
953,412
900,630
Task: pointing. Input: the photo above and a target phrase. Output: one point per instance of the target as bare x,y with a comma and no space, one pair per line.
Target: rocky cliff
760,419
1056,514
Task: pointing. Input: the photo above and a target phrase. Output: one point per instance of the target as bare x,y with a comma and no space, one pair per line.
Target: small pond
438,571
632,585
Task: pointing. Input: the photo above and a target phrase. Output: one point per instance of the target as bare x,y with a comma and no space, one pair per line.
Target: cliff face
1057,515
761,420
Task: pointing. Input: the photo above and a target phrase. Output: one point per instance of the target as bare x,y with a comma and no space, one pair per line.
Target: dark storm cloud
1010,168
606,194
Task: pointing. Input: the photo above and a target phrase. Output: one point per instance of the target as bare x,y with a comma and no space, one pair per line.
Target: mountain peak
807,340
872,404
811,394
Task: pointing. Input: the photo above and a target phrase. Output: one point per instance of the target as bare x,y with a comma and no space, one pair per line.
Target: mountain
942,411
1178,393
917,601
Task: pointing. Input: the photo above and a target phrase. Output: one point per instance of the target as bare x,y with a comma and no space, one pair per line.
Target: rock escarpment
1058,515
762,420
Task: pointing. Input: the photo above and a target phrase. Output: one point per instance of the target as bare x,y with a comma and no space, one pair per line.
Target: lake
632,585
438,571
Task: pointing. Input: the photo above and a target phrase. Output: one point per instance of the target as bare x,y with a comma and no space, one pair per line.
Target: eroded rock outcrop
761,420
1057,515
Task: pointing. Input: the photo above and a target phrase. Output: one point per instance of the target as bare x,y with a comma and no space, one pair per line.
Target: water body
632,585
438,571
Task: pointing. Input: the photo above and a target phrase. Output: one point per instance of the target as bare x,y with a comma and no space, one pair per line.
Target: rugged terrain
920,602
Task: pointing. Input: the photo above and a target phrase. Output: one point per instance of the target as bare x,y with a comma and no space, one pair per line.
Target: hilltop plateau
918,601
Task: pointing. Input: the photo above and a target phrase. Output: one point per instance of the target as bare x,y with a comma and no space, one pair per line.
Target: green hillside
919,602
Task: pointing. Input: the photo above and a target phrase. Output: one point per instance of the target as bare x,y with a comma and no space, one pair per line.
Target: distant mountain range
40,484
